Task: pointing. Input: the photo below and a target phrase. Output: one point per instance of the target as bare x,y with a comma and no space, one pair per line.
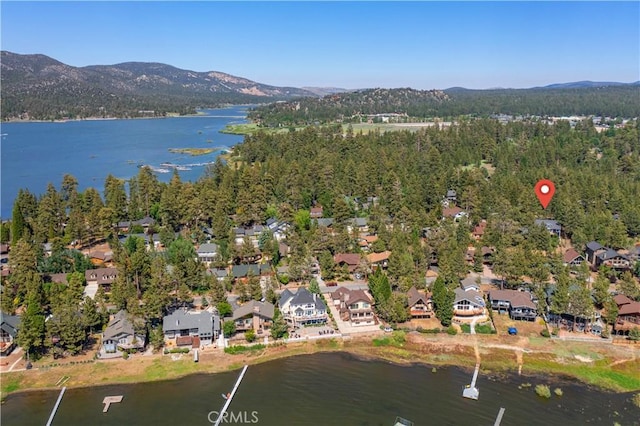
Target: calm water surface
327,389
34,154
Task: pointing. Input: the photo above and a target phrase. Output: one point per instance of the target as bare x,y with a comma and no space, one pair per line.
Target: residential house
451,196
207,252
628,317
455,213
420,304
354,306
572,258
219,273
517,304
468,301
479,230
103,277
101,258
120,334
253,233
302,307
366,241
316,212
278,228
487,255
552,226
592,250
189,328
323,222
47,249
613,259
351,260
358,224
9,325
379,260
254,315
149,240
145,223
242,271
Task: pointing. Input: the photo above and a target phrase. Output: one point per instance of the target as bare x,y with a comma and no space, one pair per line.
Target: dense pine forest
609,101
396,179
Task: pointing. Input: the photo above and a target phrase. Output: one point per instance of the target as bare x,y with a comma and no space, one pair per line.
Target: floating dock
55,407
108,400
499,418
230,397
471,391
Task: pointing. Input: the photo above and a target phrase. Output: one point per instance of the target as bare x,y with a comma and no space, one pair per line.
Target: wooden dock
55,407
471,391
499,418
230,397
108,400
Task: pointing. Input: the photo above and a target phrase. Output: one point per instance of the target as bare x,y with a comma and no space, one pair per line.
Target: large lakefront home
302,307
254,315
517,303
468,300
354,306
190,328
420,304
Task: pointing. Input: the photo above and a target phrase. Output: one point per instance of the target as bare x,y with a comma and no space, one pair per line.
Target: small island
192,151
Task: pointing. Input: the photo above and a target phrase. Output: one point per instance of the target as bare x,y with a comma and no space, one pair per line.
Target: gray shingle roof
119,325
10,324
207,248
594,245
470,295
263,309
240,271
204,321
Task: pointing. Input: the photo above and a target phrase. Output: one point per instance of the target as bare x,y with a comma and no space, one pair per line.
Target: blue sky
423,45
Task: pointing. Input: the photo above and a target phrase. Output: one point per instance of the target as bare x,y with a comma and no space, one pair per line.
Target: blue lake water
34,154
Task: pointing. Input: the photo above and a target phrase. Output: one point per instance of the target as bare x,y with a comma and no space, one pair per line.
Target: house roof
514,297
370,238
119,325
469,283
570,255
350,296
218,272
58,278
358,221
621,299
263,309
324,222
414,296
378,257
240,271
207,248
630,309
102,275
181,320
610,254
9,324
145,221
471,295
594,246
451,212
348,258
339,292
551,225
301,297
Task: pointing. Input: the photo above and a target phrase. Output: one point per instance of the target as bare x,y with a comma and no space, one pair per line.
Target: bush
466,328
284,279
543,391
429,330
250,335
485,329
240,349
545,333
125,355
176,351
451,331
558,391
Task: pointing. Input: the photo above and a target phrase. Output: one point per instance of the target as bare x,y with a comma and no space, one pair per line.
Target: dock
108,400
471,391
499,418
55,407
230,397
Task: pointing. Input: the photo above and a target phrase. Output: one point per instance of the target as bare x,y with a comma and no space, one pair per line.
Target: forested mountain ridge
39,87
612,101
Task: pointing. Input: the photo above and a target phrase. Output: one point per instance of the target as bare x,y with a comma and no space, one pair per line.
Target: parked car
513,331
332,284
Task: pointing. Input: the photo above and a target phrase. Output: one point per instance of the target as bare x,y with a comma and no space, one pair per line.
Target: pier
230,397
55,407
108,400
471,391
499,418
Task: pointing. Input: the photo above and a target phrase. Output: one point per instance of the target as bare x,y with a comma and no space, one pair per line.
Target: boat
227,396
402,422
183,168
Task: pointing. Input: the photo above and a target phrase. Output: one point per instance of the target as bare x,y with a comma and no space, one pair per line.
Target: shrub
485,329
545,333
466,328
451,331
558,391
543,391
430,330
176,351
125,355
240,349
250,335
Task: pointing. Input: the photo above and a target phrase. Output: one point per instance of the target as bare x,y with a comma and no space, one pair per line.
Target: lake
328,389
34,154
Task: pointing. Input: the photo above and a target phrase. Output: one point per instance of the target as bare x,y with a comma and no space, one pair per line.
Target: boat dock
499,418
471,391
55,407
108,400
230,397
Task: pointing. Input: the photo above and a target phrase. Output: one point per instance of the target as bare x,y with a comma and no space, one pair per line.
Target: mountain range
40,87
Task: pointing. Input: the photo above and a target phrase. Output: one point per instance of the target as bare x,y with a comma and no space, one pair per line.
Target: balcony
468,312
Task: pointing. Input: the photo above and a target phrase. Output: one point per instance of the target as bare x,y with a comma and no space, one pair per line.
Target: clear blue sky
423,45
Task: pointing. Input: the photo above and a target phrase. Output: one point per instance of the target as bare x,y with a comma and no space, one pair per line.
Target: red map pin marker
544,191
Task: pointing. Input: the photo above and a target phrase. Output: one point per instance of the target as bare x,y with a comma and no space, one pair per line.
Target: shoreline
499,362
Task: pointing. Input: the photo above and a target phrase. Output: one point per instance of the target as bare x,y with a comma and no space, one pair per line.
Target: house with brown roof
352,260
517,303
420,303
628,317
103,277
316,212
354,306
455,213
379,260
572,258
479,230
